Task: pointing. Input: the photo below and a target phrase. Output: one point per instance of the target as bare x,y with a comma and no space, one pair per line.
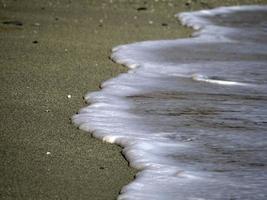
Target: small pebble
35,42
69,96
141,9
36,24
151,22
48,153
188,3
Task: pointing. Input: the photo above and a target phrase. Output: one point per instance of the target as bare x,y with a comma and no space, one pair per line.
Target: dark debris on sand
13,22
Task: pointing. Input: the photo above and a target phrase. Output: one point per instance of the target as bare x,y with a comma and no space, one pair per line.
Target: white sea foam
191,113
199,77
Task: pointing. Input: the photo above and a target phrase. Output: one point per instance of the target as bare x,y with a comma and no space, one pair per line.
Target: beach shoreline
52,53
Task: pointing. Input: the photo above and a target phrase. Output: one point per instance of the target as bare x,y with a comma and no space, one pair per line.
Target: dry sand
51,54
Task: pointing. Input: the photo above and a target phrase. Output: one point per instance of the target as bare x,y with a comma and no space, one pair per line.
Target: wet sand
52,53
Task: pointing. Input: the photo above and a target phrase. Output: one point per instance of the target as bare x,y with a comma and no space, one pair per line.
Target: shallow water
191,114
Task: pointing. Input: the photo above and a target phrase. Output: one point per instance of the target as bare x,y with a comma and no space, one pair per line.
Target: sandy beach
52,53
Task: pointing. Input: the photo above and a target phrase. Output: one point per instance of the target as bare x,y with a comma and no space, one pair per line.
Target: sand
52,53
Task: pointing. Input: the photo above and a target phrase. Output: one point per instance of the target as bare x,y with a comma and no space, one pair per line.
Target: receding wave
191,114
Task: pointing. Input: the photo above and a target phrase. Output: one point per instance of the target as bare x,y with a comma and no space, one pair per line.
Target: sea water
191,114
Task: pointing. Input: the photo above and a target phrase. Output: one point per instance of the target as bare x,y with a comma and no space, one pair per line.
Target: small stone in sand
35,42
188,3
141,9
69,96
48,153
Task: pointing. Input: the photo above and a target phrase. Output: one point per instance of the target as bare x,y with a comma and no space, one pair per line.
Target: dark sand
52,49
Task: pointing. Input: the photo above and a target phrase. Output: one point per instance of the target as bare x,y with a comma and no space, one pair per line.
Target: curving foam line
112,115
